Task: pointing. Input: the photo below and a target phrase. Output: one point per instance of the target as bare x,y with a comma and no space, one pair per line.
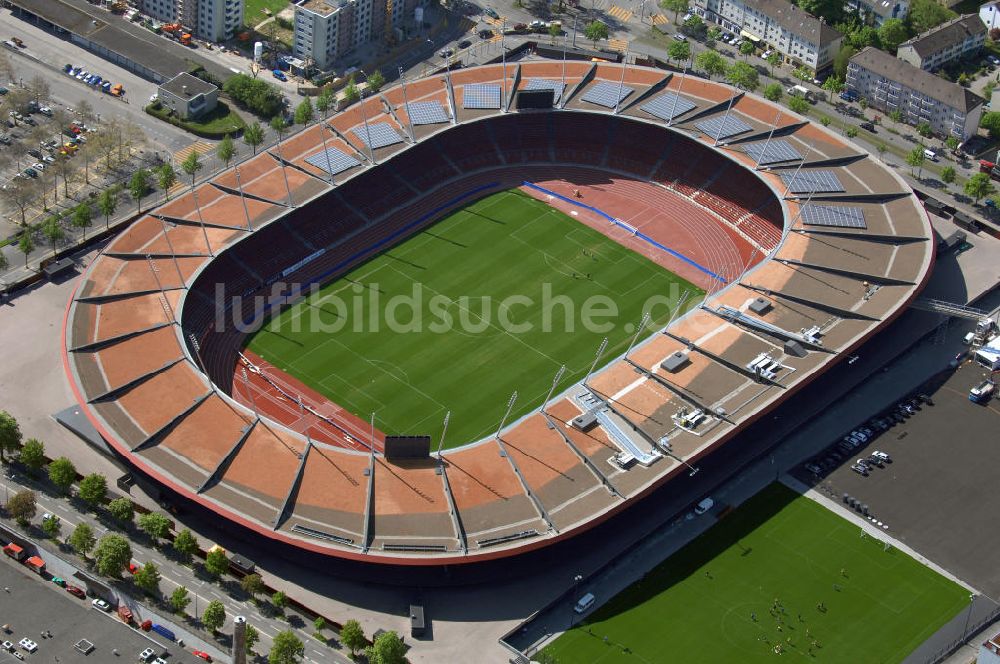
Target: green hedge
216,124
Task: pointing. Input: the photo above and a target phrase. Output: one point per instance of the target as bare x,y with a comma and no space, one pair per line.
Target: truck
989,168
125,614
983,392
14,551
800,91
164,632
35,564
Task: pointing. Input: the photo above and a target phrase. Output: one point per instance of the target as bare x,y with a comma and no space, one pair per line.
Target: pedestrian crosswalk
620,13
659,19
498,22
201,147
620,45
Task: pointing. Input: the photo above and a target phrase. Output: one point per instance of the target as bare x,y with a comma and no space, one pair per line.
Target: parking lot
30,606
936,494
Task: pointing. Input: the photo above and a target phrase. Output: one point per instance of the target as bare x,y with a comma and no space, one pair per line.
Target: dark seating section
377,209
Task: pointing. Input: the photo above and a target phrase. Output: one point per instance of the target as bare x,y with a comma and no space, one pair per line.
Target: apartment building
876,12
802,38
327,29
211,20
989,14
890,84
958,38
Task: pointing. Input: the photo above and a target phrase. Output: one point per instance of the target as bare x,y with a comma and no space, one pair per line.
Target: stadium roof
142,382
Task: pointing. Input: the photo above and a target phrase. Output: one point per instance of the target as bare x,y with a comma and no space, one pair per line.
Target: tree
191,165
252,584
10,433
833,85
679,51
773,60
51,526
121,510
185,544
216,563
554,31
896,116
255,95
253,136
93,489
3,261
948,174
351,92
377,80
304,112
387,649
138,185
979,185
695,27
32,454
21,194
952,142
166,177
747,48
841,60
251,639
675,6
714,33
154,524
280,600
179,599
352,636
825,120
22,506
113,555
52,230
803,73
226,150
773,91
915,159
851,132
319,624
743,76
926,14
83,540
924,129
26,244
596,31
62,473
286,649
798,105
279,125
991,123
323,102
148,578
711,63
892,33
107,202
82,217
831,10
864,35
214,616
881,149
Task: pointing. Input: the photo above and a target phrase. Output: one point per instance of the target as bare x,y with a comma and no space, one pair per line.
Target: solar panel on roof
332,161
805,182
607,94
377,135
831,215
545,84
667,106
772,152
481,95
426,112
723,127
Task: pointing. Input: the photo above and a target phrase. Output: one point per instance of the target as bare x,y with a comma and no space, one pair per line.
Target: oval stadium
480,313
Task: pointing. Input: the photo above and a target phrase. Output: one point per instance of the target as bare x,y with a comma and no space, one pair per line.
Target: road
172,574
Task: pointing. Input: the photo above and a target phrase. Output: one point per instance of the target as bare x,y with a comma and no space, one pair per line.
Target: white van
930,154
704,506
585,603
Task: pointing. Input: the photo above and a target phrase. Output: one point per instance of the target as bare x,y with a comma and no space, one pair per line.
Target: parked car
861,470
492,13
202,654
100,605
59,581
76,591
34,152
813,468
868,126
278,74
882,455
465,43
485,34
38,166
45,110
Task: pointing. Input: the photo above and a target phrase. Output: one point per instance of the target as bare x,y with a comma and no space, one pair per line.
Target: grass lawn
473,272
253,10
221,121
699,604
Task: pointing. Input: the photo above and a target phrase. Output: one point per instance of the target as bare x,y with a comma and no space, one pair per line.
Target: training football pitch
490,299
840,597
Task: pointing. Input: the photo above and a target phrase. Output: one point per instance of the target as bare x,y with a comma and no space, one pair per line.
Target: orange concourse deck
155,364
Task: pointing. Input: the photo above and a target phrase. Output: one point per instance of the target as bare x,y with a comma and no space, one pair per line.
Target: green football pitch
840,597
489,300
